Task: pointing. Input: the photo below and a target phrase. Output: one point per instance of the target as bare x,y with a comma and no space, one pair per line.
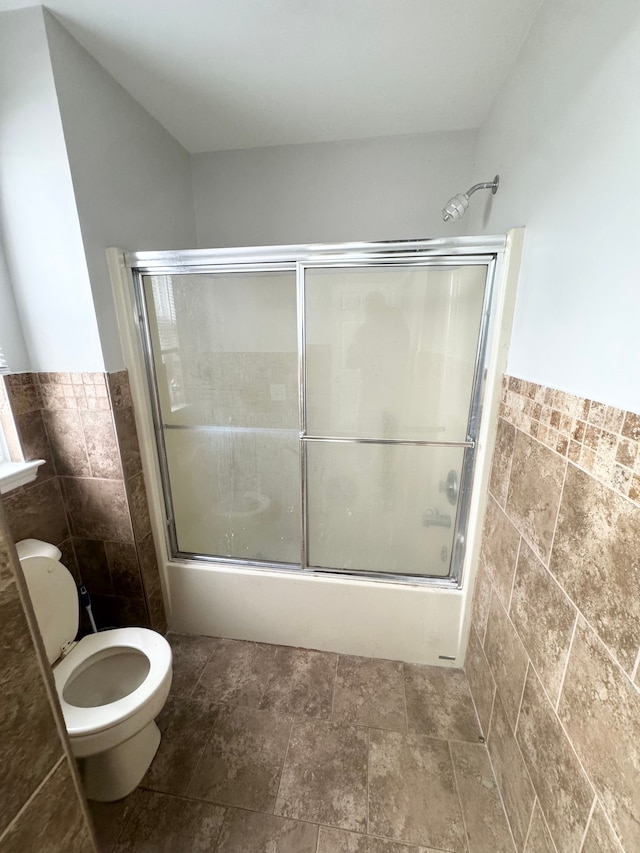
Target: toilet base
113,774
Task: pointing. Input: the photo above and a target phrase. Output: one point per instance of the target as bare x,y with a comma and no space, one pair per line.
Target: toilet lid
53,593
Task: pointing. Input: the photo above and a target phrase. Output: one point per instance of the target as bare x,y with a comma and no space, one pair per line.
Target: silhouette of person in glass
380,351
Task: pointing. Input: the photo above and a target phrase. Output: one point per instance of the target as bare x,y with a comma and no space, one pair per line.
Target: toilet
111,685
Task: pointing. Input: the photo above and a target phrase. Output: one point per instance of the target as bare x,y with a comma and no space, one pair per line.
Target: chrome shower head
457,206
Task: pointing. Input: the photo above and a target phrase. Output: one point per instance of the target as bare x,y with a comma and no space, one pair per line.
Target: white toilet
111,685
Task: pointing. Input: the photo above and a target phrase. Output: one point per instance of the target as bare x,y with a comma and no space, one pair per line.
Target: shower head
457,206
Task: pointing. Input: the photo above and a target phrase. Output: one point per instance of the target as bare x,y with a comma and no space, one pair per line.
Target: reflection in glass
381,507
391,351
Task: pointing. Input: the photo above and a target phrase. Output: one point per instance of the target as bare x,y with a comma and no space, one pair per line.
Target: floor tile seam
29,800
530,824
513,579
572,750
368,769
586,826
547,562
502,803
457,787
206,742
282,766
335,684
404,696
556,704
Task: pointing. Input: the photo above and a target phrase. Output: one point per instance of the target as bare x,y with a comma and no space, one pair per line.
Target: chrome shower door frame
425,253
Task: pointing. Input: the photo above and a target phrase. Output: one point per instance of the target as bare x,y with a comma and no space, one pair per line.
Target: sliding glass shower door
319,415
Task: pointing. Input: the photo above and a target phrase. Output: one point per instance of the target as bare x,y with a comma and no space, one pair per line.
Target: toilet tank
53,594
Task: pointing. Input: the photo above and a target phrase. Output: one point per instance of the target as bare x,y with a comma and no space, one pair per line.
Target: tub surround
42,807
89,498
555,637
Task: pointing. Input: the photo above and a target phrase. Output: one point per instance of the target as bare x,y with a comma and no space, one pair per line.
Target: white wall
132,180
374,189
11,337
564,134
38,217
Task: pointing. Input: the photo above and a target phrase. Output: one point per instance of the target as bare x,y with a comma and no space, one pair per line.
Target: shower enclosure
316,409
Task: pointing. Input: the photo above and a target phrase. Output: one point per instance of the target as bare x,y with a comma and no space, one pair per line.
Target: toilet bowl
111,685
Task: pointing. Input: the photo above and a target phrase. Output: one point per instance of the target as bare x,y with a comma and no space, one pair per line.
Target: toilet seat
88,721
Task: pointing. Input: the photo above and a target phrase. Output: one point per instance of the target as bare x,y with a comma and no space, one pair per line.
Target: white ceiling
222,74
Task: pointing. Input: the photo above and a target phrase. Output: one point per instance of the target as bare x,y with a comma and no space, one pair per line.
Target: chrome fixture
450,487
434,518
457,206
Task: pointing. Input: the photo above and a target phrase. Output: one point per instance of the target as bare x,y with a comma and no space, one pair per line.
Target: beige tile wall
89,498
554,649
41,807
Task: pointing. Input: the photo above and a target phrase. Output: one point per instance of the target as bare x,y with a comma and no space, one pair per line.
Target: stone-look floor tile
29,741
539,840
511,774
300,682
544,618
324,779
97,509
37,512
507,658
480,680
109,819
412,793
252,832
185,725
66,439
119,389
191,654
369,692
595,559
501,465
439,702
339,841
481,599
600,709
382,845
237,673
242,761
563,790
165,824
600,838
499,550
484,818
52,821
534,492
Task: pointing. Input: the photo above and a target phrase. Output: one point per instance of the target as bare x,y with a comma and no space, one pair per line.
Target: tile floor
271,749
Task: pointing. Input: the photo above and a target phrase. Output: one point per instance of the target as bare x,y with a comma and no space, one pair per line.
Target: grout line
31,798
368,763
555,705
284,761
586,827
557,515
533,811
636,667
457,787
335,681
404,697
499,790
513,580
524,684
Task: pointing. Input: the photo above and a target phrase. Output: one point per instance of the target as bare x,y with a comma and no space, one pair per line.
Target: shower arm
487,185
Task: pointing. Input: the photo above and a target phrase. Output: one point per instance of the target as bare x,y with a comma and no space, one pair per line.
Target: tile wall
554,649
41,807
89,498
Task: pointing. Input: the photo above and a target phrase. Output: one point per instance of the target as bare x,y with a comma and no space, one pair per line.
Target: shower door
319,413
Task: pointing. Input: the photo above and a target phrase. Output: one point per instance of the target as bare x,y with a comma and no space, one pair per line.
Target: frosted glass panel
391,351
236,493
225,348
381,508
226,364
